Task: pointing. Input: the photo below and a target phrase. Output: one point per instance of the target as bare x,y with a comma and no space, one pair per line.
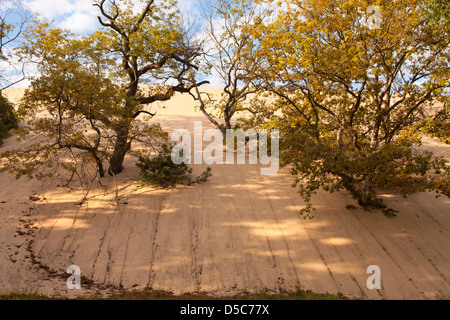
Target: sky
80,16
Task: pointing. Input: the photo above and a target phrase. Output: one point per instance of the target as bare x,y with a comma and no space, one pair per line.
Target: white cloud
79,22
215,80
50,9
189,7
79,16
6,4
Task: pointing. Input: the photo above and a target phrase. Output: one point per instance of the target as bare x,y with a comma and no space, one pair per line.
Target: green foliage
161,171
89,87
438,126
439,14
80,103
8,119
333,164
349,96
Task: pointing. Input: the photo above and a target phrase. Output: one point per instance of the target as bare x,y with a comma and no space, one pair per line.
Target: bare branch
145,112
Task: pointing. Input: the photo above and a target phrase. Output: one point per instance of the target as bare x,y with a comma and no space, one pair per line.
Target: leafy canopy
86,99
350,94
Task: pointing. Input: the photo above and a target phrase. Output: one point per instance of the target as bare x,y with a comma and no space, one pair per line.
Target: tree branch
143,111
143,15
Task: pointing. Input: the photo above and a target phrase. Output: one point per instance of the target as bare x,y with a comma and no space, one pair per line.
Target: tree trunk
363,197
122,145
120,150
98,161
228,121
367,197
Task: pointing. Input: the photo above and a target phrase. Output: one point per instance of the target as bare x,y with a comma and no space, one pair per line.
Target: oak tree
90,86
438,14
151,45
351,94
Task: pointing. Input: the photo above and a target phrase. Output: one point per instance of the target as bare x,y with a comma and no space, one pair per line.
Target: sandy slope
238,232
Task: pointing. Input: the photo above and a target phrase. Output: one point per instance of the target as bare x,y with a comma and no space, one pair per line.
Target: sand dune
238,232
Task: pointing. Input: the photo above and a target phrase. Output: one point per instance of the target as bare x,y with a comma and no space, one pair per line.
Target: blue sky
80,16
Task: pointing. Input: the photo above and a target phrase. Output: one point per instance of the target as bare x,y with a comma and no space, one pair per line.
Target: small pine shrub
161,170
8,120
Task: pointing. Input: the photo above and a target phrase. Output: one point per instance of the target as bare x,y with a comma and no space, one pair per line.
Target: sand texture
238,232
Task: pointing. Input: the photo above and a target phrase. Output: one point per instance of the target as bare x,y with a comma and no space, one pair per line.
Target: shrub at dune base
8,120
161,171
